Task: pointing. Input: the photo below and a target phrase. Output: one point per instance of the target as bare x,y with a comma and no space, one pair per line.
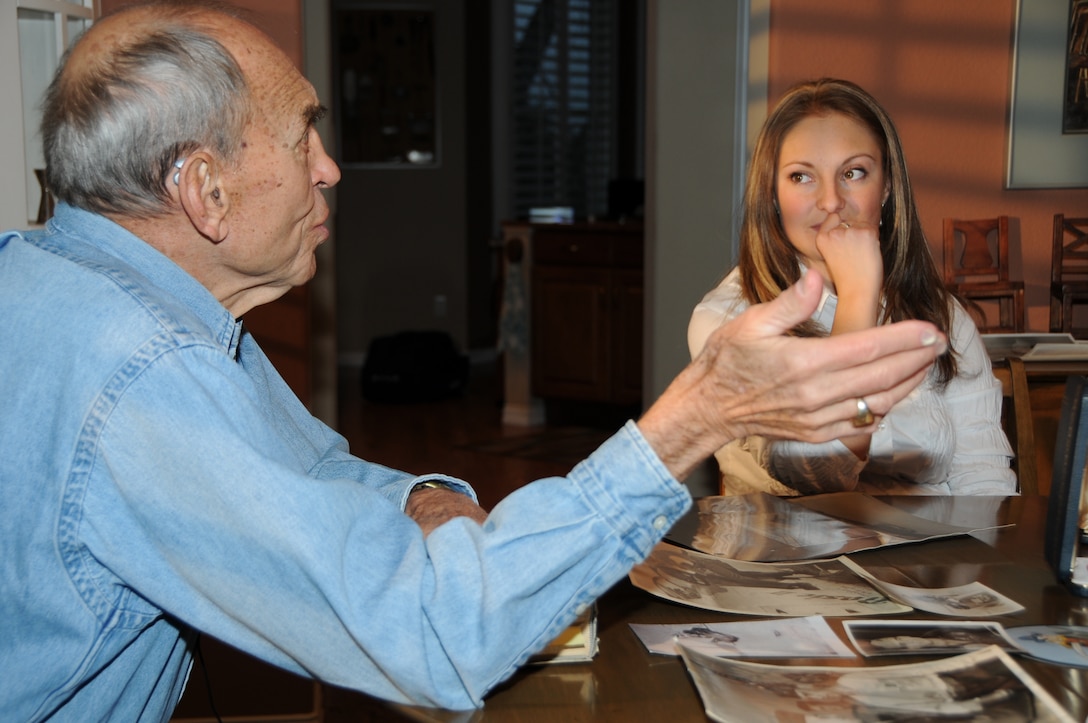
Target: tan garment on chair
741,463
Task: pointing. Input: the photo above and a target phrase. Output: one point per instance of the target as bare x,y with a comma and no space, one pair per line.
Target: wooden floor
443,436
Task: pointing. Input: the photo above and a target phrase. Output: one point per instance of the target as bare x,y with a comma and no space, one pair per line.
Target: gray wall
401,233
697,74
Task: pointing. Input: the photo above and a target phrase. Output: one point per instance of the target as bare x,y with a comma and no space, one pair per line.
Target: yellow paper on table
577,643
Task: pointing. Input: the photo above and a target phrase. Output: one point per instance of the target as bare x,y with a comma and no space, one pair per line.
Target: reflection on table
626,683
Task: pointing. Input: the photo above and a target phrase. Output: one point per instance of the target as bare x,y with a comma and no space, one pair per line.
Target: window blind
564,104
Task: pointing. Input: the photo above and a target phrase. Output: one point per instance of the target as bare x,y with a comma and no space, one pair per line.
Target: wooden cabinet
586,310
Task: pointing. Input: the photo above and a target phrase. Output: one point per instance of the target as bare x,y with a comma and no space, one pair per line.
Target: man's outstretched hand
752,379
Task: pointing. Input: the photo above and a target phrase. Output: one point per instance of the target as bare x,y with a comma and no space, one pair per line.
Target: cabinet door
570,333
626,333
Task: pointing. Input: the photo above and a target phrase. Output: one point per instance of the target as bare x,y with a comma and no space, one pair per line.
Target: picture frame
1041,154
1064,548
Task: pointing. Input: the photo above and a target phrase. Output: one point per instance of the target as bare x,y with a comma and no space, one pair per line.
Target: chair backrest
1018,422
1069,253
977,250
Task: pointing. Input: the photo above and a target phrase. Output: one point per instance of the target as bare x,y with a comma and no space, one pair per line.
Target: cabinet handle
574,248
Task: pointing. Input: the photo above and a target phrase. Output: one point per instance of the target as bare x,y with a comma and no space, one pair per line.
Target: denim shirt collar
70,226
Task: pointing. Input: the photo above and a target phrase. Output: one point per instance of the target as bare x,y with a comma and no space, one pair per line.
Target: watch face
431,485
1061,644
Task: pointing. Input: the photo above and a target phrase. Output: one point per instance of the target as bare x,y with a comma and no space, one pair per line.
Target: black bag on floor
414,366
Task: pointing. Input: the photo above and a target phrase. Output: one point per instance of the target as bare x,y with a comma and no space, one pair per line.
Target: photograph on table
760,527
807,637
759,588
970,600
925,637
982,685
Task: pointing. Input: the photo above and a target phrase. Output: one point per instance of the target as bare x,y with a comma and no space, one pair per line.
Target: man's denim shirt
157,477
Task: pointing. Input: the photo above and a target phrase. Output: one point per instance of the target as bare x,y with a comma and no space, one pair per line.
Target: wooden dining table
626,683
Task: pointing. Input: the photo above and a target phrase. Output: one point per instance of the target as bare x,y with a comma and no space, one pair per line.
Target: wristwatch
431,484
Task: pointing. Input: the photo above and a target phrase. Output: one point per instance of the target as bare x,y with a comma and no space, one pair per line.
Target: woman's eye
798,177
854,174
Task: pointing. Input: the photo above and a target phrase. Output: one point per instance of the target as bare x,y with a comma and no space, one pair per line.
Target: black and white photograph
925,637
759,588
759,527
985,685
971,600
807,637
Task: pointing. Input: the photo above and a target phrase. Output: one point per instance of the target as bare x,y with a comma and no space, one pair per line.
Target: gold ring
864,417
844,224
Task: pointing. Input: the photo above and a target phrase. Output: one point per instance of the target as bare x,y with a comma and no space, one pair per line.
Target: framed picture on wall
1075,107
386,95
1048,123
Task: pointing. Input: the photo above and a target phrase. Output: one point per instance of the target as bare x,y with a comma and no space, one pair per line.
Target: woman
828,190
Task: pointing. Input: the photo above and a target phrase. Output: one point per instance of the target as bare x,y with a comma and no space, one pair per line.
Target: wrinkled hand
751,379
431,508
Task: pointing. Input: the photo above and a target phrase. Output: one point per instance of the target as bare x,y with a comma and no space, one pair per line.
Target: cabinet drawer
572,250
587,249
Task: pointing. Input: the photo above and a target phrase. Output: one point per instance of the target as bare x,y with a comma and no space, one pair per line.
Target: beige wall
942,69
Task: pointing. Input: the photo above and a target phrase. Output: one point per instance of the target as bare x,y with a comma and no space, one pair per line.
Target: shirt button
660,522
581,609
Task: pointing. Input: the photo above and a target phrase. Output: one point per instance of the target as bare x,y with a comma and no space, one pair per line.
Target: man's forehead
274,81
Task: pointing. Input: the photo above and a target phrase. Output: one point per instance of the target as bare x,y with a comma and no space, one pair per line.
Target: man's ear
201,195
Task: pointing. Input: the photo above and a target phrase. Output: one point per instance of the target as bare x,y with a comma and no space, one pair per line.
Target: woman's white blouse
934,442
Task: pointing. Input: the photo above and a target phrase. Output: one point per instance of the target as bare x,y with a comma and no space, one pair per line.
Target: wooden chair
1018,422
1068,273
973,270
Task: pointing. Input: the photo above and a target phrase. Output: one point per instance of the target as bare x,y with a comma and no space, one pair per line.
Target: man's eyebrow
312,114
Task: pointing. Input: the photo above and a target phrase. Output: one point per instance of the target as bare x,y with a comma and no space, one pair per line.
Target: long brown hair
913,288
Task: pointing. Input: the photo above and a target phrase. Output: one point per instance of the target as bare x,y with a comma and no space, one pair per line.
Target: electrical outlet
440,306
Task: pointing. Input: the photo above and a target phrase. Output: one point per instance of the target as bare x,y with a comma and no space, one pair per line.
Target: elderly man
158,478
